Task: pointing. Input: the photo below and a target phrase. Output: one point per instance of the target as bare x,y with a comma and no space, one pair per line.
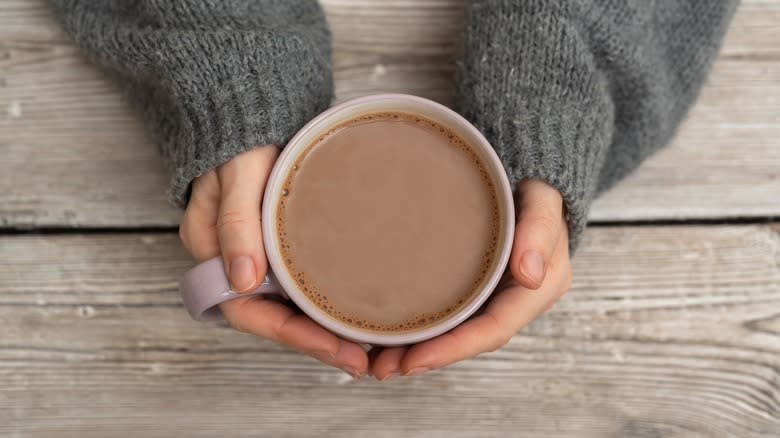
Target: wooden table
672,326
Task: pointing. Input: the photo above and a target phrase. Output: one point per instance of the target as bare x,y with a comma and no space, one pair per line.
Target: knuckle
501,336
231,311
235,322
567,280
278,330
498,342
563,274
238,326
232,219
545,222
566,276
183,233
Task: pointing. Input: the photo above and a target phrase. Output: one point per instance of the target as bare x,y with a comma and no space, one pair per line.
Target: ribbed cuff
212,79
282,85
567,152
536,94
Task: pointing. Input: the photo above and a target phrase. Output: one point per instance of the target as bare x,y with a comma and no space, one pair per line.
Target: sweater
573,92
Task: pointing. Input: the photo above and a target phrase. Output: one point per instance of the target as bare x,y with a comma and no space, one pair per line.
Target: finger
509,311
280,323
198,225
242,181
387,363
537,233
471,338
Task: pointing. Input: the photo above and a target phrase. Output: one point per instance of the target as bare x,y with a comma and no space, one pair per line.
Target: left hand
223,218
541,274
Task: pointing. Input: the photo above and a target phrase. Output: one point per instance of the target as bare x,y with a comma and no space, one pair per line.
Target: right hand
223,218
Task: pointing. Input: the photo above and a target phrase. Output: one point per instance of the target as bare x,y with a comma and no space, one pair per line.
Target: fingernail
390,376
416,371
352,372
242,274
532,266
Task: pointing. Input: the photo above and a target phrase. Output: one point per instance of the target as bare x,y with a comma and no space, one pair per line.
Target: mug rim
272,194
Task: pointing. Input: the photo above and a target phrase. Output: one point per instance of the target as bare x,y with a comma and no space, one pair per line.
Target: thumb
540,224
242,181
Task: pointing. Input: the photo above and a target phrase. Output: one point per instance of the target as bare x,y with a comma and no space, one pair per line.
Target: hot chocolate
389,222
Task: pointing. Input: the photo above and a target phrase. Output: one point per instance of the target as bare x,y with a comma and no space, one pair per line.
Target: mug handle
206,286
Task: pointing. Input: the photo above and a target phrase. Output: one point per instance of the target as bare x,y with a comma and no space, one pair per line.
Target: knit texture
212,78
578,93
574,92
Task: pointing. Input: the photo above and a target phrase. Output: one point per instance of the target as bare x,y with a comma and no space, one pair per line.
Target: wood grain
75,155
667,332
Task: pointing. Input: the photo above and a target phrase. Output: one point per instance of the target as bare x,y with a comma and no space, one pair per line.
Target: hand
540,274
223,217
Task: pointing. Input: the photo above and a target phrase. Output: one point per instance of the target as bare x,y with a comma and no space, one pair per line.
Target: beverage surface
388,222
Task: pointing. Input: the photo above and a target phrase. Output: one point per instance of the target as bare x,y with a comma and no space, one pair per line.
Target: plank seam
719,221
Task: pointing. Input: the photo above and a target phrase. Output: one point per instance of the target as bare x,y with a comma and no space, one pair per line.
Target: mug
206,286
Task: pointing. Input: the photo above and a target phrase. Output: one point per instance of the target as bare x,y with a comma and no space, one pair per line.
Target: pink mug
206,286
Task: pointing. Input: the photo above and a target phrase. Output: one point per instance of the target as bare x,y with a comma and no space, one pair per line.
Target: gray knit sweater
574,92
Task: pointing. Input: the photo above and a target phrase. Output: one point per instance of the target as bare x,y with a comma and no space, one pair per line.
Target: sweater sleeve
213,78
578,93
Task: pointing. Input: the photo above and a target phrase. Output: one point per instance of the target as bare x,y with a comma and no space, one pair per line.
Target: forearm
213,79
578,93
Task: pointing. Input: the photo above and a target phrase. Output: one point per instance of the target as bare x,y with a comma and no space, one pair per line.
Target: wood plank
667,331
75,155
